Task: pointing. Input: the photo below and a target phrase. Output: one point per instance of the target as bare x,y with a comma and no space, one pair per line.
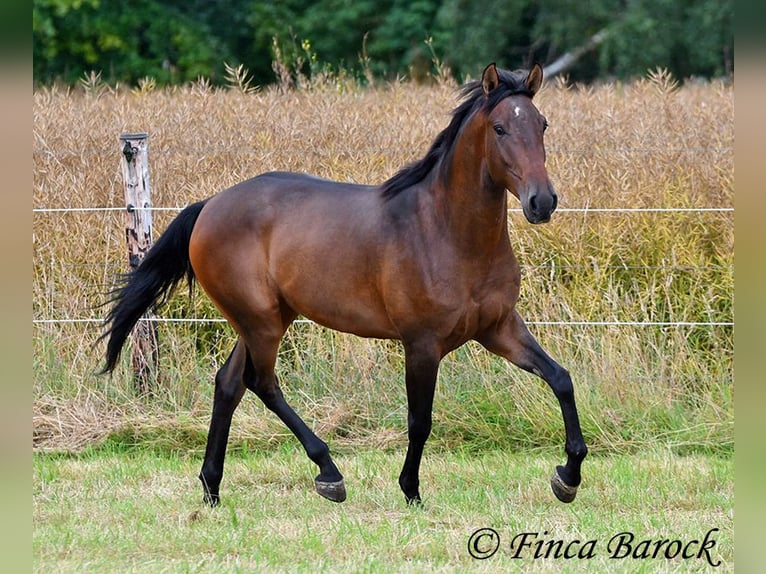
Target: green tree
337,28
398,43
688,37
178,40
470,35
123,40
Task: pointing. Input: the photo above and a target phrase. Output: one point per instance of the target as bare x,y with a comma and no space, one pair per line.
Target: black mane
511,83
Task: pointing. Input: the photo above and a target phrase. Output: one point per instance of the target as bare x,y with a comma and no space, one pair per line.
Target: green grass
113,509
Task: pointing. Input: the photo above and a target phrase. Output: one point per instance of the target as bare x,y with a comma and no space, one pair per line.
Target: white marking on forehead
517,111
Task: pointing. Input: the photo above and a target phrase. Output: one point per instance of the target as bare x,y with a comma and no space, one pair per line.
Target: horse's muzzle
539,204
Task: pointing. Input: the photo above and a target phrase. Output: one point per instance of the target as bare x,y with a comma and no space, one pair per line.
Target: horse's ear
489,78
534,79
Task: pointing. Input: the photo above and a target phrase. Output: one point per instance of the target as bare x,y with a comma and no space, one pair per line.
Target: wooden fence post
138,233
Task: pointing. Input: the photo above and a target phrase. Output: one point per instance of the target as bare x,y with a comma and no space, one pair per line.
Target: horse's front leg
511,339
421,366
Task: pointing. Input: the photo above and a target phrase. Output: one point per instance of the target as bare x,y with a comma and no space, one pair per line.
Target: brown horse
424,258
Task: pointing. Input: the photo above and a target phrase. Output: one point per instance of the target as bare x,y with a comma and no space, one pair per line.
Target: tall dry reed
647,144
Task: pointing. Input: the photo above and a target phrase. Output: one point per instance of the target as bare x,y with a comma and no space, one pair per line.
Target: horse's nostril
533,203
555,202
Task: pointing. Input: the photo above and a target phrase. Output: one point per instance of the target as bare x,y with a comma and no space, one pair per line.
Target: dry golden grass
645,144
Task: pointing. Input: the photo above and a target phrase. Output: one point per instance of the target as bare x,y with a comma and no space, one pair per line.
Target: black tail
164,266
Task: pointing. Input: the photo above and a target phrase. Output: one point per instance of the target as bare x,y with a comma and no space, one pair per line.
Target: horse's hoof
414,500
561,489
335,491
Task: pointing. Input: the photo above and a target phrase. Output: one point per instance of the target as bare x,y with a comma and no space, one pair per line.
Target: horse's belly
363,325
358,317
341,302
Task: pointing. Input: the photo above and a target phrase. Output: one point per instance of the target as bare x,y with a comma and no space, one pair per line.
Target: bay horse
424,258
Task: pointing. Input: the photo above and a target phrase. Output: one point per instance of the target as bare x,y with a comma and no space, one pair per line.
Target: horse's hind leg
512,340
229,388
260,378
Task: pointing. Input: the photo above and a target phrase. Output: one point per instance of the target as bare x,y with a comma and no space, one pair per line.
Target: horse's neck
475,208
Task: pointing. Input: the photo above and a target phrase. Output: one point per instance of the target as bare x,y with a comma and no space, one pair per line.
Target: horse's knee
262,382
267,390
228,388
561,383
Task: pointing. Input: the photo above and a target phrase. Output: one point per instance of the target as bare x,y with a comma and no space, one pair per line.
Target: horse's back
312,244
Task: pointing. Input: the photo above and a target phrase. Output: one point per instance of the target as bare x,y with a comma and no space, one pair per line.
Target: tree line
177,41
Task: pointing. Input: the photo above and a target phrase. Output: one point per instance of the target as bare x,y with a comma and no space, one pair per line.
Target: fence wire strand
510,210
310,322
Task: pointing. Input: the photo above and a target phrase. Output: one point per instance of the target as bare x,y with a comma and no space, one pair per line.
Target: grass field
113,509
114,473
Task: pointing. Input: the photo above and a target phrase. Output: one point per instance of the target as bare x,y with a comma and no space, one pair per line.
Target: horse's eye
499,130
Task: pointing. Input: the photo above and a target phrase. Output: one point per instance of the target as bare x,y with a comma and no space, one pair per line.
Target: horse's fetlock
410,486
577,451
318,452
210,480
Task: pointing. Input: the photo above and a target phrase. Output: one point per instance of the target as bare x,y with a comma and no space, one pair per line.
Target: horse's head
514,144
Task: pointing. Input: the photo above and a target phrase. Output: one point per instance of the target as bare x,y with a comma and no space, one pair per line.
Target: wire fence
585,210
510,210
238,150
228,149
310,322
